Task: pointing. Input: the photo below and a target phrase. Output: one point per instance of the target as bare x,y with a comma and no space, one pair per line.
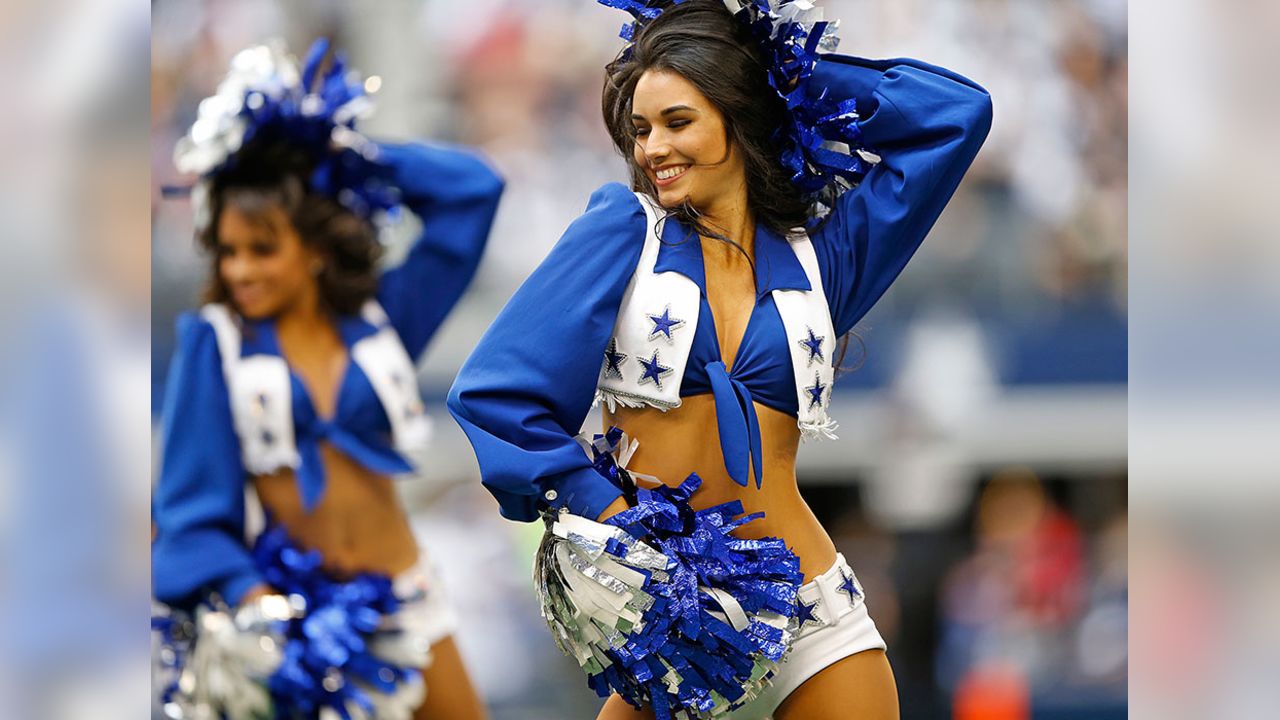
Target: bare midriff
358,525
686,440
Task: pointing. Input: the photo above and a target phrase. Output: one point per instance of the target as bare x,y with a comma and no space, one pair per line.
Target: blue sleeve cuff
847,77
583,492
234,588
436,173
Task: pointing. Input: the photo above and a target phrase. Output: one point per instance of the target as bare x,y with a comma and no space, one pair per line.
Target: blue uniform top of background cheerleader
527,388
198,504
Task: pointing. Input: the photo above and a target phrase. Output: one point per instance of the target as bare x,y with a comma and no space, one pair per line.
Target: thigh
450,694
860,686
615,708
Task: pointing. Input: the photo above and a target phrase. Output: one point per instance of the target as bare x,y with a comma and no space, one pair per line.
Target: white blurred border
1204,352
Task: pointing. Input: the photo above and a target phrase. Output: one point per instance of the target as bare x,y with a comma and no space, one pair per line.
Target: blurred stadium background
979,487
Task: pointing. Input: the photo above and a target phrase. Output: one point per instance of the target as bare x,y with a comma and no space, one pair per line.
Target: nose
236,268
657,148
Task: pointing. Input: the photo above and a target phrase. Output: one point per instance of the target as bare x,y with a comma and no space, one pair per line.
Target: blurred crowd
1015,606
1037,230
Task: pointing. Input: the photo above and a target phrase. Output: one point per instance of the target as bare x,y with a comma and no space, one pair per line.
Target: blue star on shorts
847,587
804,613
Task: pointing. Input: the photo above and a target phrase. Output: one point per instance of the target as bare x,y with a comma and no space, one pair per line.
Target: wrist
618,505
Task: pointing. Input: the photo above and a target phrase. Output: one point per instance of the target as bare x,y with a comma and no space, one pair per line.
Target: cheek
291,273
709,145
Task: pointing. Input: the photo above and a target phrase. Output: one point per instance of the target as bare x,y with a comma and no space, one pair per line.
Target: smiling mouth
667,175
246,294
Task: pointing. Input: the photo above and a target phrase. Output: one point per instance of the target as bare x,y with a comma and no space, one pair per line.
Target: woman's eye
641,132
263,249
678,123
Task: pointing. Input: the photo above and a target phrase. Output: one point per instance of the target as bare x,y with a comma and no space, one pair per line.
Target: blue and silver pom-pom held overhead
820,143
661,603
267,98
320,649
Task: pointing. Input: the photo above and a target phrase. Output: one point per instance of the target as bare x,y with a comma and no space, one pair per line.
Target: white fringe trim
822,428
613,398
259,465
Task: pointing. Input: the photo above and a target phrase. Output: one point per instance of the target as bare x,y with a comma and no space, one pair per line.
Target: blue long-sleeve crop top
528,386
198,502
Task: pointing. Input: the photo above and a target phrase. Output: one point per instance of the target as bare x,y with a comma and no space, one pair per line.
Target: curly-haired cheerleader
298,378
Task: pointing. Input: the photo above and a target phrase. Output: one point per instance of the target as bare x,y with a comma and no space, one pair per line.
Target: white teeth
668,173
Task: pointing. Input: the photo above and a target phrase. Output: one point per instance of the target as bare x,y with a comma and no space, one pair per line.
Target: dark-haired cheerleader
777,189
298,378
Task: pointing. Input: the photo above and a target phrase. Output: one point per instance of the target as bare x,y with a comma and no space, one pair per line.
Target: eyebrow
668,111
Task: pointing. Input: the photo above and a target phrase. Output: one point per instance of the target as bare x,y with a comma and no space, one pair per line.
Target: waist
357,526
684,440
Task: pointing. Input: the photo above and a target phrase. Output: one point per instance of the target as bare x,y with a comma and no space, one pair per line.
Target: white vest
645,361
261,394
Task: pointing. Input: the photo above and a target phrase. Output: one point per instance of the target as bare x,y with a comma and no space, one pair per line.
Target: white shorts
840,627
426,611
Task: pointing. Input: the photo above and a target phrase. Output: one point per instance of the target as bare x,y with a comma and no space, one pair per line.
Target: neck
304,314
731,216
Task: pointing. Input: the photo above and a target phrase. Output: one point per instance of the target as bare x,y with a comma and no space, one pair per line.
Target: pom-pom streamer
320,648
661,603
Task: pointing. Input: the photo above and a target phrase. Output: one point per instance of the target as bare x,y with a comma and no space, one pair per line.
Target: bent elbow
981,115
453,401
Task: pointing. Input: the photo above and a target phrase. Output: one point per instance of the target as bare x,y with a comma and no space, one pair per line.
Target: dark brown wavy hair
275,175
703,43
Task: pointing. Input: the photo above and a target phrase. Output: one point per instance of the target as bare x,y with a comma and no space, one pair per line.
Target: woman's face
263,262
681,142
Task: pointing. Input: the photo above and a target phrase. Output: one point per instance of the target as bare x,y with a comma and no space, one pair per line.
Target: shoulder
198,331
615,198
192,325
614,220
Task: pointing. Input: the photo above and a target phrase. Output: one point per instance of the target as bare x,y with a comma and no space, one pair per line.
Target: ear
316,261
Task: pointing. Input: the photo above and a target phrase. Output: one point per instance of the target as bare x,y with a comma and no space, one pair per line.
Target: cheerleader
297,378
777,190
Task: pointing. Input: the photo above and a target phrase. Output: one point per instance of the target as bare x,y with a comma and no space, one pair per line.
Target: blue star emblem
813,345
664,324
654,370
613,360
815,391
804,613
847,587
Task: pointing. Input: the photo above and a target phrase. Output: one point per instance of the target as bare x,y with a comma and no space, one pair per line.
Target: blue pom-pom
328,648
705,615
267,99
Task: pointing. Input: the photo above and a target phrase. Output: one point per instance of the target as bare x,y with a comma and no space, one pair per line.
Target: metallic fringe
662,604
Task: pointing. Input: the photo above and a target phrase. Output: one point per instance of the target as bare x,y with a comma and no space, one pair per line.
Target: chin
672,197
256,311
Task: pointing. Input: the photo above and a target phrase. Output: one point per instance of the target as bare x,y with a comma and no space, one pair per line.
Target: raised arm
198,503
455,195
927,124
527,388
